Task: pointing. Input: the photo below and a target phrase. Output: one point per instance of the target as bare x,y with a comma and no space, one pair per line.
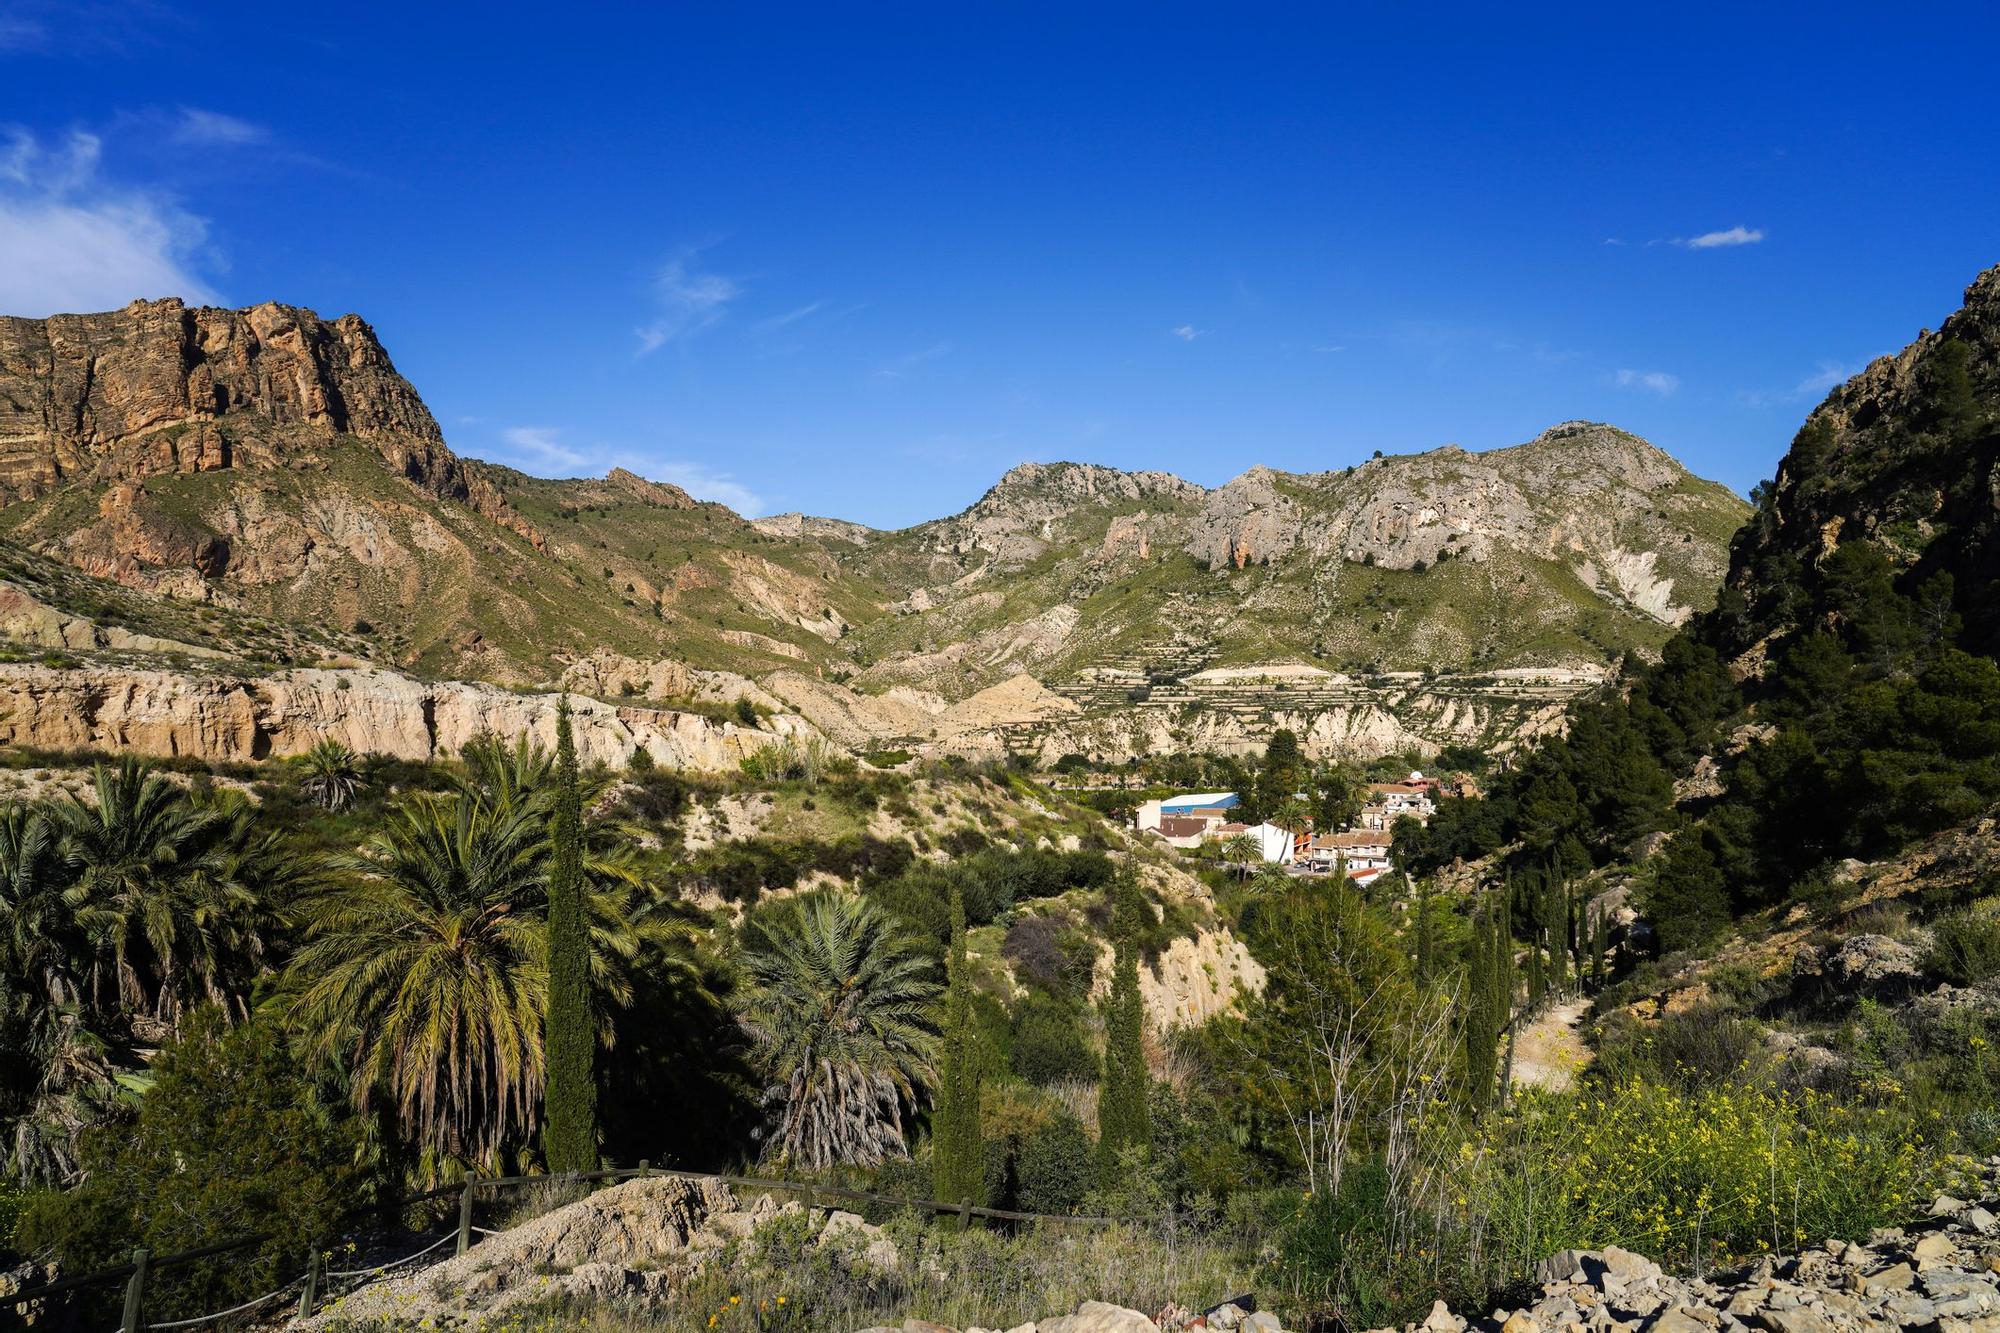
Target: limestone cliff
229,717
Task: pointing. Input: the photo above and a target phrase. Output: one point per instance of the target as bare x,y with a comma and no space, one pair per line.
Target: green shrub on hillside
1686,1177
229,1142
1050,1044
1965,947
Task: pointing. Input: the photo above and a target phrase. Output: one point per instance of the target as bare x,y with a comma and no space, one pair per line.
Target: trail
1552,1049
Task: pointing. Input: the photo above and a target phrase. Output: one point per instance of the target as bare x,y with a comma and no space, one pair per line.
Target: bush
1965,947
1048,952
229,1142
1338,1262
1688,1051
1049,1042
1718,1173
1055,1167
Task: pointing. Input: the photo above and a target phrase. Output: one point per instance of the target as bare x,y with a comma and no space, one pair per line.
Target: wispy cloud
21,33
705,483
1334,347
196,128
537,448
74,241
1812,387
902,366
1187,333
1648,381
773,323
689,299
543,450
1717,240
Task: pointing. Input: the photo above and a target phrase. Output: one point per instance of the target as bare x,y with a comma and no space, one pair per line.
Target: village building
1360,850
1211,807
1275,845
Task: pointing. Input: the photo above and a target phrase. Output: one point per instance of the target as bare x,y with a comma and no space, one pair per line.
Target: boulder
1873,964
1100,1317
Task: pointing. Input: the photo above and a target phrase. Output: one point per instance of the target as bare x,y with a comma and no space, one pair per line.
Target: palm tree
840,1012
424,975
424,971
1243,851
152,888
332,775
41,947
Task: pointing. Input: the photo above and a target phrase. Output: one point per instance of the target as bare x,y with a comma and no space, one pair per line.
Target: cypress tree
1480,1028
1123,1122
1426,943
958,1158
569,1040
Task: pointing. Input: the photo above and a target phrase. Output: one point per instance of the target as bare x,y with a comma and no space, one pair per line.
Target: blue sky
859,260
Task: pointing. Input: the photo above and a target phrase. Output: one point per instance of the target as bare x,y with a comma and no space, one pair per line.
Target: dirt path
1552,1048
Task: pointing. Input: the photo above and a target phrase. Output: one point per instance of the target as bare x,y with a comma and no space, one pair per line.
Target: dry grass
784,1280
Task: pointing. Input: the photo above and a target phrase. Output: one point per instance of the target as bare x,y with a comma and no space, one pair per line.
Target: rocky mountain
274,468
1562,552
1907,455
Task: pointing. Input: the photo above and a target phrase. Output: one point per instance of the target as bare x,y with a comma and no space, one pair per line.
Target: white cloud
689,299
1187,333
1715,240
196,128
1649,381
21,34
538,447
1812,387
74,242
775,322
902,366
704,483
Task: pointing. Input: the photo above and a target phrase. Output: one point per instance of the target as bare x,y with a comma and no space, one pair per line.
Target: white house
1274,844
1211,807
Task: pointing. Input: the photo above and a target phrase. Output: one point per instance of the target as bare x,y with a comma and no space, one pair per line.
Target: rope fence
144,1265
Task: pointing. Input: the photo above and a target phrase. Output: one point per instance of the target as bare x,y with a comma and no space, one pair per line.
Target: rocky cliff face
1907,455
225,717
157,387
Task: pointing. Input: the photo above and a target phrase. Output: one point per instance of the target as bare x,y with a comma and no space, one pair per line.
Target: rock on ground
641,1240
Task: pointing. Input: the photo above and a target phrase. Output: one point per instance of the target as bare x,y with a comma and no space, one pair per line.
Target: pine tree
958,1158
1123,1121
569,1096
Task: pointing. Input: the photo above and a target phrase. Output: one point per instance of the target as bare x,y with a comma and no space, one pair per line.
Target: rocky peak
810,525
1905,454
159,387
664,494
1019,516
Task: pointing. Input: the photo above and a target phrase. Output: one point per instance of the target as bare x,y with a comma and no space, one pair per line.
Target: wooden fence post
465,1219
645,1165
964,1214
135,1291
812,1196
315,1267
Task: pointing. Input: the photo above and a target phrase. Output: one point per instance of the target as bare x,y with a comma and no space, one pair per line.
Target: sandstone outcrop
235,717
161,388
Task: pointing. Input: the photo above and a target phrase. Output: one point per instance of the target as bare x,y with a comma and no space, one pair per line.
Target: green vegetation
839,1016
958,1157
1124,1125
569,1116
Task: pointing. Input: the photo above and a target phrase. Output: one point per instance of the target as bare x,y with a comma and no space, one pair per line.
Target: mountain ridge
275,464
